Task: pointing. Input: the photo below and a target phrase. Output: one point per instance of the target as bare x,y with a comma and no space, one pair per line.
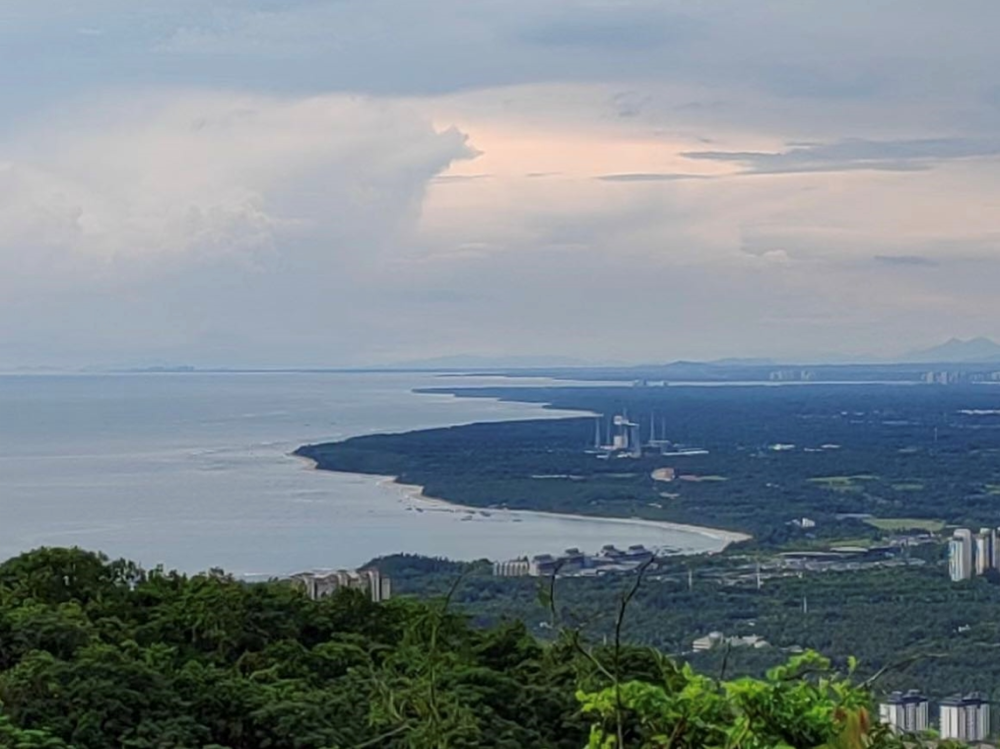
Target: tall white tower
984,551
960,555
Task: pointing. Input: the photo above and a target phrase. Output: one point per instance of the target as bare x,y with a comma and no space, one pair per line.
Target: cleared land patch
901,524
845,484
909,486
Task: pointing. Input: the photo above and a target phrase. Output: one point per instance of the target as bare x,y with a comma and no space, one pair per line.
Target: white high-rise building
965,718
905,713
984,551
960,555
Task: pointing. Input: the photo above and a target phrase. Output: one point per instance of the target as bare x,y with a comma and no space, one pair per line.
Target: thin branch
379,740
619,622
900,664
725,661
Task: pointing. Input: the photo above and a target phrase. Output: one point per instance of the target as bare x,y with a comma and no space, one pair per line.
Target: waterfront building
322,584
512,568
543,565
960,555
965,718
905,713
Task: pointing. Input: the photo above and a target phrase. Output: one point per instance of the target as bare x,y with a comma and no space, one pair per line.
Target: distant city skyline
327,183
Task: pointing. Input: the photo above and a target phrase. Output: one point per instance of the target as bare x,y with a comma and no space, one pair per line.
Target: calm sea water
193,471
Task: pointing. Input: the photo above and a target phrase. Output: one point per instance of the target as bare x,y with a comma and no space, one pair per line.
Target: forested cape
97,653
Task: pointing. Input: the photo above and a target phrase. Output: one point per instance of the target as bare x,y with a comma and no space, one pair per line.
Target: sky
367,182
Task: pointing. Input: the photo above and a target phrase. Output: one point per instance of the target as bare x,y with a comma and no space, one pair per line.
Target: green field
909,486
899,524
844,484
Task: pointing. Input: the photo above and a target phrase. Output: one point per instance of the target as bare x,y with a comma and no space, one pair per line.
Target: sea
194,471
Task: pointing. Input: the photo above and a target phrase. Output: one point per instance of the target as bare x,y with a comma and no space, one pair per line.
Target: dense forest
97,653
930,633
855,453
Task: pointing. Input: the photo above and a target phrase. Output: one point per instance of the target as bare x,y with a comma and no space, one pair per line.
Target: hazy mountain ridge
958,351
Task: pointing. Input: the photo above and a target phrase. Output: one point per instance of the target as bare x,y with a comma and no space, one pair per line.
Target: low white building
717,639
322,584
512,568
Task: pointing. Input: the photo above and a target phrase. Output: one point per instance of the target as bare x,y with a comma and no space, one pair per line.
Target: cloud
272,181
649,177
907,261
613,27
183,219
459,178
856,154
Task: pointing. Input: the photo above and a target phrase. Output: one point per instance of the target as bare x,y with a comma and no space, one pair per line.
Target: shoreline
416,496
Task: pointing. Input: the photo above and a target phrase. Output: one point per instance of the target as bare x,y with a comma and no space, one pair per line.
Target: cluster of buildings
961,718
322,584
973,554
620,437
791,375
575,562
716,639
955,377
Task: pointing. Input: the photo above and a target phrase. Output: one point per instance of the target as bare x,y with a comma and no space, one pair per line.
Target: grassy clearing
899,524
843,484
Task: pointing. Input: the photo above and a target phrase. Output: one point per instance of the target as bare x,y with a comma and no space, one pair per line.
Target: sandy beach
416,495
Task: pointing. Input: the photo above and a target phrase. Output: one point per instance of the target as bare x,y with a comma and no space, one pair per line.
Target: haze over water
193,471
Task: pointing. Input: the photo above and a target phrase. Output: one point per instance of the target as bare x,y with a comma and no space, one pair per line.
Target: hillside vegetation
97,653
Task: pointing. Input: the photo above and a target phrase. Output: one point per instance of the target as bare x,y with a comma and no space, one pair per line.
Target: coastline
416,494
418,499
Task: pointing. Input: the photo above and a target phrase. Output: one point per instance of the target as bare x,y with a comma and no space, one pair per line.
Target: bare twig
619,622
725,661
900,664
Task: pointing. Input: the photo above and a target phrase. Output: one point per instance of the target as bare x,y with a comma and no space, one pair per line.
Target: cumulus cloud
186,207
329,182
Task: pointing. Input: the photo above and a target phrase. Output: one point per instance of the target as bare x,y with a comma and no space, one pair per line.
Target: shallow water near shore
194,471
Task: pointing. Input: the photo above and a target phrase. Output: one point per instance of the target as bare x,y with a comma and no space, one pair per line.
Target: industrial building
322,584
621,437
905,713
965,718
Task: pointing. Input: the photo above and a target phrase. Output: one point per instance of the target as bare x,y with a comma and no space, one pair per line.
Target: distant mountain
957,351
743,362
492,362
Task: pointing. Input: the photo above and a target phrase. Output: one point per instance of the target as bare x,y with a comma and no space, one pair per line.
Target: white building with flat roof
960,555
965,718
322,584
905,713
512,568
984,551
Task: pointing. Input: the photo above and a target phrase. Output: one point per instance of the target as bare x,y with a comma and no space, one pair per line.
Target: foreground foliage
97,654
